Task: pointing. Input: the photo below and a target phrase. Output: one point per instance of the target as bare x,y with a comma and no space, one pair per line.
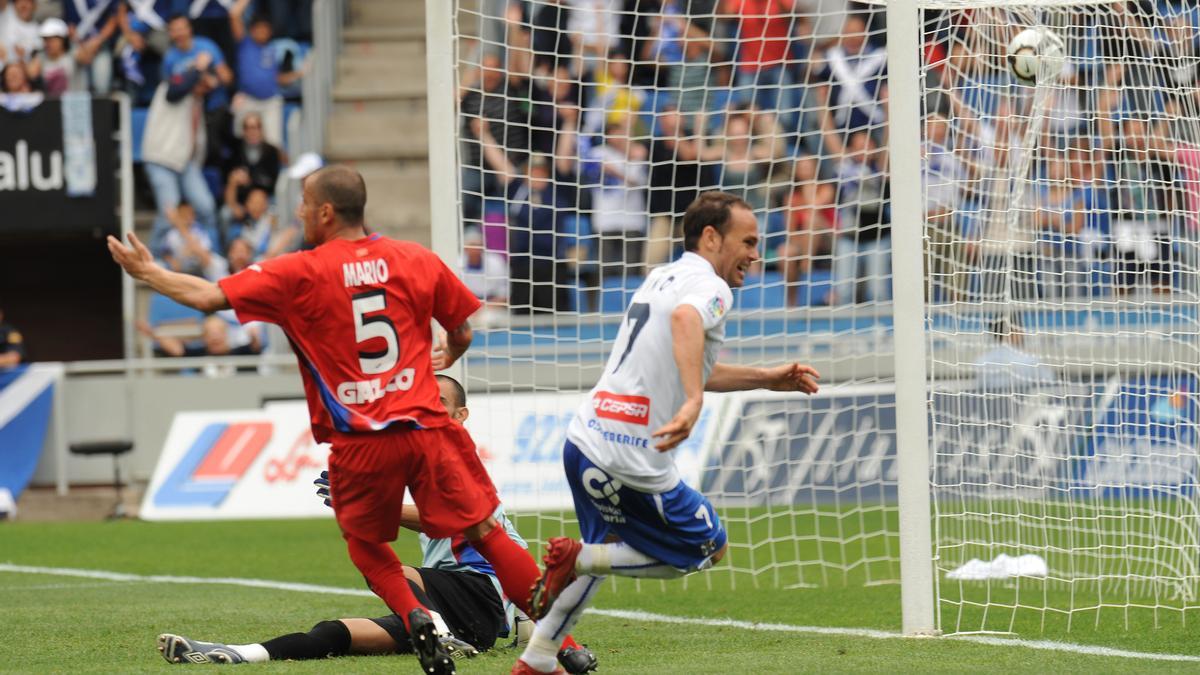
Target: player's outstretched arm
788,377
185,289
687,338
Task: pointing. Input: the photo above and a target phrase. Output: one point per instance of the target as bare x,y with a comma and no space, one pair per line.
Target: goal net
586,128
1062,316
1060,286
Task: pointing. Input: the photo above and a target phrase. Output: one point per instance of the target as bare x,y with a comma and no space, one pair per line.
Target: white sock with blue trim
542,651
623,560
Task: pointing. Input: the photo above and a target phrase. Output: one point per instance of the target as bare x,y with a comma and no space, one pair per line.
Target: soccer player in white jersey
636,517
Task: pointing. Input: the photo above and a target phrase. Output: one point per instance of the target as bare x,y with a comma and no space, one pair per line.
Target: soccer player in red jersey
357,309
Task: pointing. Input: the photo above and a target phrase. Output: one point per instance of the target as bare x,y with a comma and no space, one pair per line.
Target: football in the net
1035,52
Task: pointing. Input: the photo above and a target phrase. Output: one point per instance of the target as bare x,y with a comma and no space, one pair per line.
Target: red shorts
368,474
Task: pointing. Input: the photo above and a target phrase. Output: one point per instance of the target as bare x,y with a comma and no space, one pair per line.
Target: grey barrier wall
141,408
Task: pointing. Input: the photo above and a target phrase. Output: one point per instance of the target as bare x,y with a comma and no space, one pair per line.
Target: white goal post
997,278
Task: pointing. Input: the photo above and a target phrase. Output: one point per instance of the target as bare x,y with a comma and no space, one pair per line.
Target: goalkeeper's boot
577,660
434,658
458,649
522,668
178,649
561,553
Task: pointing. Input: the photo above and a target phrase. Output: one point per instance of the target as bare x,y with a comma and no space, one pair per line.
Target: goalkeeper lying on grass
454,581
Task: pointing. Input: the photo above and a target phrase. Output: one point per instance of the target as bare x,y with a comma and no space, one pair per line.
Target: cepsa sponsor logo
630,409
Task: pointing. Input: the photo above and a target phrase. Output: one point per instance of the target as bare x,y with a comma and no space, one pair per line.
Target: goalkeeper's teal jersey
457,555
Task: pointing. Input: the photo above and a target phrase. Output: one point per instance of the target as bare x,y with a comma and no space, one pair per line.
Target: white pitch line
633,615
1046,645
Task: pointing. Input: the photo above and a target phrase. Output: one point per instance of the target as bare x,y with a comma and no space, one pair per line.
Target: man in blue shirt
181,59
258,76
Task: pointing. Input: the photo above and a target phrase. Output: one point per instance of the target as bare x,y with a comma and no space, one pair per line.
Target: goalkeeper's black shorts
467,601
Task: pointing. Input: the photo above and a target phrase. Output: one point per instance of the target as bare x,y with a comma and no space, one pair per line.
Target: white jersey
640,389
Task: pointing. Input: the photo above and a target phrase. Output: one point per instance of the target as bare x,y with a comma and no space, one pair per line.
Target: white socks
254,653
621,559
542,651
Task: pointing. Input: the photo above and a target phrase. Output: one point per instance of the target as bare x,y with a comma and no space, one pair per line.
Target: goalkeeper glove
322,484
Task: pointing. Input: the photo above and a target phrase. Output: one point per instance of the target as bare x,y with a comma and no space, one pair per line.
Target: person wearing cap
92,25
55,65
289,192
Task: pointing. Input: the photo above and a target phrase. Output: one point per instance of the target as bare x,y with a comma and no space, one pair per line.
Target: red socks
568,642
384,574
514,567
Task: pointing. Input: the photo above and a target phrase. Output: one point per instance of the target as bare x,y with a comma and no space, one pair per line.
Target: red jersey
357,314
765,34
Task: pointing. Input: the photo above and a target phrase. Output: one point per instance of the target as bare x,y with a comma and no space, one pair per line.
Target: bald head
343,189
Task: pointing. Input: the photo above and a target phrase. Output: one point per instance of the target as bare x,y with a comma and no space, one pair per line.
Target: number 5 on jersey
371,327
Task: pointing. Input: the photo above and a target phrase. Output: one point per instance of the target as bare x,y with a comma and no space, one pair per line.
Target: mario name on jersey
365,273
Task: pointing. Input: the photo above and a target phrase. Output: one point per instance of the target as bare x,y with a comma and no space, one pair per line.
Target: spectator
258,74
210,20
618,171
291,18
253,163
12,344
188,246
54,66
1142,204
143,42
764,35
495,136
676,176
597,25
863,245
173,146
20,39
535,211
483,271
812,222
197,56
93,23
17,92
693,77
665,47
288,193
551,37
239,256
1008,366
943,176
745,161
614,100
221,336
261,229
853,86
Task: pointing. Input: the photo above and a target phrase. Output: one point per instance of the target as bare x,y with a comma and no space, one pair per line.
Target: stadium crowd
589,125
210,80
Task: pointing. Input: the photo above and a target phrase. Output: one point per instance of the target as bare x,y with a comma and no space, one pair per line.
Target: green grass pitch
65,624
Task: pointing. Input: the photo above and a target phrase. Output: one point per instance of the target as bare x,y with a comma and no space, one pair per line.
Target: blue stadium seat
762,292
165,310
615,294
816,287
